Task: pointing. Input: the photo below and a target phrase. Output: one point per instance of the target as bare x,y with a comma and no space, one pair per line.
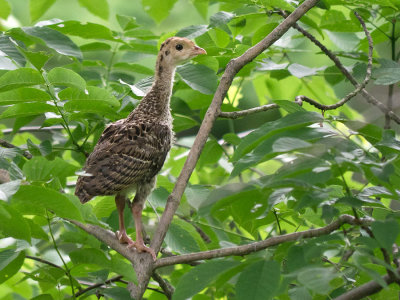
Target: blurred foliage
67,68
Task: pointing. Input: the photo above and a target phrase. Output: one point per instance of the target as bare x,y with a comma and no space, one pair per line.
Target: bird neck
156,102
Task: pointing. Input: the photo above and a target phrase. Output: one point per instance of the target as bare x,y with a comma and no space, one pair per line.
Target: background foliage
69,68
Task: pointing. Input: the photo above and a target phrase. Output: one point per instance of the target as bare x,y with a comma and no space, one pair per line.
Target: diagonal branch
258,246
369,288
233,67
359,87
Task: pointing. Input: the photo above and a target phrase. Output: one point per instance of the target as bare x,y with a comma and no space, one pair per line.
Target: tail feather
82,193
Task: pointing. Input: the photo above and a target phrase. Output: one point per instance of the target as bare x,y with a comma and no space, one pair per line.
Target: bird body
131,151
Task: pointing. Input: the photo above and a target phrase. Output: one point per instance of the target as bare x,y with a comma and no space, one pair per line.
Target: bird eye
179,47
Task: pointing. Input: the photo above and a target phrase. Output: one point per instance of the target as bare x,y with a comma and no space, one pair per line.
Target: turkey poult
131,151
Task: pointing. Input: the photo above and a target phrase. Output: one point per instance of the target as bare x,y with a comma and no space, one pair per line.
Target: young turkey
131,151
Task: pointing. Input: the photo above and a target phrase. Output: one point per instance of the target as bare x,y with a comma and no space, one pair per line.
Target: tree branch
370,99
233,67
359,87
246,112
369,288
165,285
6,144
261,245
108,238
97,285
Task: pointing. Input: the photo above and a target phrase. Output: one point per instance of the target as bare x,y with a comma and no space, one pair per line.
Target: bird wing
126,154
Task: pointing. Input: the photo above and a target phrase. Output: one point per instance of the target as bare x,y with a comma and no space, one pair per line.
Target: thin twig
261,245
45,262
97,285
6,144
164,284
66,269
246,112
359,87
370,99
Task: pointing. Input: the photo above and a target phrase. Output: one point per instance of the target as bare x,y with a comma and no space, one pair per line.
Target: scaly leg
121,235
137,208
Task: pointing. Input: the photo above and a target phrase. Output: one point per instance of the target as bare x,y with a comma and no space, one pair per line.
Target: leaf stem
67,270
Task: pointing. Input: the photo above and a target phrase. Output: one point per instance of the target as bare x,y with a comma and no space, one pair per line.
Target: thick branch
369,288
370,99
359,87
246,112
108,238
258,246
6,144
213,112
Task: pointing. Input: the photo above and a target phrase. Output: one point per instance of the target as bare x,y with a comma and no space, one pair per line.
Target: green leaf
192,31
127,22
287,123
27,109
39,7
199,78
133,68
5,9
37,59
66,77
182,122
84,30
41,169
54,40
9,47
260,280
301,71
44,148
119,266
90,256
289,106
388,73
180,239
158,10
386,232
317,279
97,7
35,199
221,18
211,154
12,268
194,281
96,100
12,223
286,144
8,189
24,94
20,77
117,293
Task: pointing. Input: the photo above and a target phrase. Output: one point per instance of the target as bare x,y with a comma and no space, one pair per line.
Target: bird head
176,50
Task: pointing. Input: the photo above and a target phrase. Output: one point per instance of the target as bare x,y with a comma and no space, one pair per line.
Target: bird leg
137,207
121,235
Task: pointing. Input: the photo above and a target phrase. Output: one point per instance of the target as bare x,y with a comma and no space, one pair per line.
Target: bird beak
197,50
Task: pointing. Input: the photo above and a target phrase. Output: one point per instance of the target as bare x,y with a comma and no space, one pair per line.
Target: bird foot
141,247
123,238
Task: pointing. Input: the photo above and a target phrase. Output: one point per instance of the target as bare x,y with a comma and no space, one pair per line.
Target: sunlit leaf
35,200
97,7
66,77
39,7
